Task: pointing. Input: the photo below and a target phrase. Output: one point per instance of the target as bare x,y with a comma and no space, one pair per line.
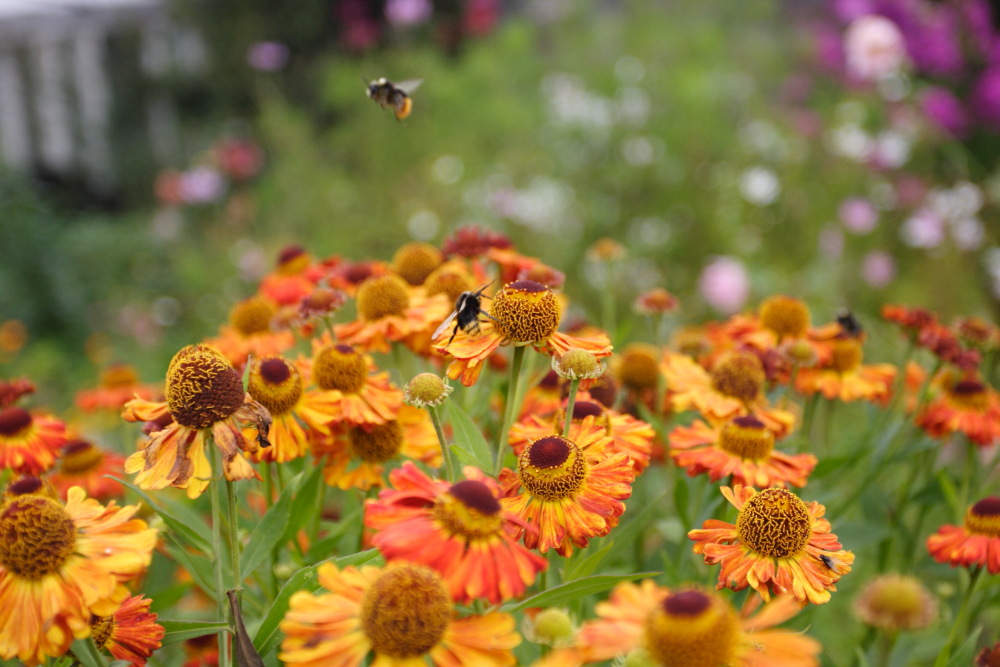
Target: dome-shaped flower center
79,457
578,364
101,628
340,367
847,354
406,611
376,444
426,389
525,311
747,437
469,510
983,518
774,523
28,485
382,296
415,261
293,260
552,468
582,410
36,536
897,596
970,394
191,349
252,316
203,389
449,283
692,629
740,375
638,368
118,375
275,383
786,316
13,421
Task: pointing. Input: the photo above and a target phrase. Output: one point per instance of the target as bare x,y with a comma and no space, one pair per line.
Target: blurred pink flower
945,110
858,215
403,13
724,284
267,56
910,190
480,16
874,48
923,229
201,185
878,268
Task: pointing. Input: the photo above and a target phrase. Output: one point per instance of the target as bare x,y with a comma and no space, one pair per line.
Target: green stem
608,300
449,466
574,385
885,645
510,409
217,559
235,546
958,627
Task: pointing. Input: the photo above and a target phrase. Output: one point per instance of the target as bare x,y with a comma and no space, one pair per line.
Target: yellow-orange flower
744,448
357,455
842,376
29,443
733,388
778,545
84,464
568,490
390,311
361,396
402,614
250,332
206,400
523,313
459,530
976,543
967,406
131,633
692,628
118,385
59,564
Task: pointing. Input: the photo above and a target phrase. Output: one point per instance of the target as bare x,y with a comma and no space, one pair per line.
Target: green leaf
574,590
199,567
307,490
268,532
267,636
87,654
964,655
178,631
193,531
950,493
585,567
470,446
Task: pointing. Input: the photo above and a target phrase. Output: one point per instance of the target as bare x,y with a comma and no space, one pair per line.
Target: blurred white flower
724,284
873,47
968,233
404,13
923,229
760,186
267,56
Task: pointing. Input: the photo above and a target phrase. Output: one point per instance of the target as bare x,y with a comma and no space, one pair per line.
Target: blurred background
157,155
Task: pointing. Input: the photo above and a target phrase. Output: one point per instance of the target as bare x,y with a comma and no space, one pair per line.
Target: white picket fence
58,88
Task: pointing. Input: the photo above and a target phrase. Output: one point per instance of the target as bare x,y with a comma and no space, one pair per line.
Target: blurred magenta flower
858,215
480,16
405,13
724,284
878,268
267,56
874,48
985,97
945,110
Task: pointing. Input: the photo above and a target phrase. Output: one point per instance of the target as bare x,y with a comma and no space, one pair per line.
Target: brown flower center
983,518
36,536
252,316
415,261
406,611
275,383
340,367
382,296
970,394
552,468
79,457
774,523
786,316
376,444
469,510
747,437
525,311
202,390
101,629
13,421
692,629
638,368
740,375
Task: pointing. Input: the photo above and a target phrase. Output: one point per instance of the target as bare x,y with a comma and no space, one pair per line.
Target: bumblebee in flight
395,96
468,308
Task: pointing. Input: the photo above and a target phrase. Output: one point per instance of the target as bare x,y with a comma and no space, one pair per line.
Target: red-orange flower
976,543
568,490
84,464
250,332
119,384
361,395
131,633
289,283
692,628
458,530
29,443
778,545
744,448
402,613
523,313
968,406
843,376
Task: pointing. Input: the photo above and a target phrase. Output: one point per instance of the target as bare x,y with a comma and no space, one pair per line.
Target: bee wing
444,325
409,85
